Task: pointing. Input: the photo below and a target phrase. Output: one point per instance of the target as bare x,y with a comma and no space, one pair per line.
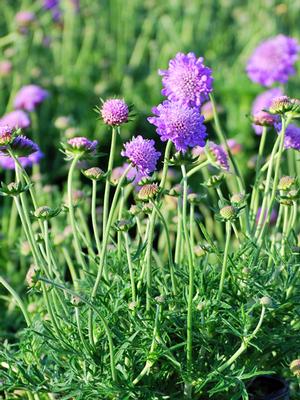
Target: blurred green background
113,47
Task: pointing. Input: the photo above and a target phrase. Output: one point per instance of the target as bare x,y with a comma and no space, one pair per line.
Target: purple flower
114,112
187,80
132,175
273,217
7,162
50,4
263,102
82,144
22,146
234,146
5,67
142,154
218,155
29,97
16,119
25,18
273,60
179,123
292,137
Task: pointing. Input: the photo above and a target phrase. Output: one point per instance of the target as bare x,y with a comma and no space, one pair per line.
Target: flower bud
123,225
285,183
199,251
228,213
134,210
6,135
215,181
94,173
30,276
194,198
284,104
148,192
46,212
237,199
295,367
160,299
266,301
201,306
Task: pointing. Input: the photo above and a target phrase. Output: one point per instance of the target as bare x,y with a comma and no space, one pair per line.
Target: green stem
276,176
130,266
17,299
94,216
254,197
225,259
170,256
107,183
72,214
119,235
189,354
244,344
150,361
150,236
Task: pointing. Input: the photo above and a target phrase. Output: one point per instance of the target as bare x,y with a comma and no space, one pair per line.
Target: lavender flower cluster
187,84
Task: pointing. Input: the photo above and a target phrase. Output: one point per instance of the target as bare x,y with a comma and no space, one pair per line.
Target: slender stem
150,361
72,214
103,250
189,354
94,216
150,235
17,299
119,235
244,344
107,183
197,168
276,176
170,256
254,197
130,266
225,259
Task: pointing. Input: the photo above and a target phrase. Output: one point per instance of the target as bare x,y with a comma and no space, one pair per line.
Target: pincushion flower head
218,155
262,102
114,112
29,97
81,147
187,80
142,154
17,119
273,60
179,123
20,146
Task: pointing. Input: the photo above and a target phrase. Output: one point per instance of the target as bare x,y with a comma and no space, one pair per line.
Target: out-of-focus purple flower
24,18
273,218
187,80
218,155
273,60
263,102
181,124
5,68
29,97
292,137
133,174
16,119
142,154
114,112
7,162
234,146
50,4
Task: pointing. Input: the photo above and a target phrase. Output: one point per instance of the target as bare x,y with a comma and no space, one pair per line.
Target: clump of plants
160,284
